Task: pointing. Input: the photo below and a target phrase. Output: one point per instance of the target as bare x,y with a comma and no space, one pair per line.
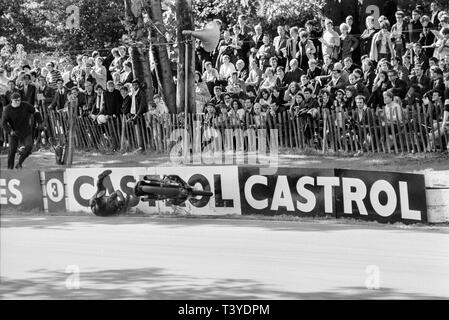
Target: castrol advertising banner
236,190
293,191
367,195
381,196
20,190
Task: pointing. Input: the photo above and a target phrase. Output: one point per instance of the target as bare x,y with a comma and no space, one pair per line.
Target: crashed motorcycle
170,188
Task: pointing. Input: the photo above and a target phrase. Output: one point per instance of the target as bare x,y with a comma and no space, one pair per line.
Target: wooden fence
333,132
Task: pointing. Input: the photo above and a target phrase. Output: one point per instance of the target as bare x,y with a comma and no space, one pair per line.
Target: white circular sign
55,190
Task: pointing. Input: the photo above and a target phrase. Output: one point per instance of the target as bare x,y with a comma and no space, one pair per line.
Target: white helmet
101,119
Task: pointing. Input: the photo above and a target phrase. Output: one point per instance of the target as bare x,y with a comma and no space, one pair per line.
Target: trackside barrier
380,196
417,129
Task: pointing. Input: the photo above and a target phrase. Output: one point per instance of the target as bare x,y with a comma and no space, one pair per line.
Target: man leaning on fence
138,107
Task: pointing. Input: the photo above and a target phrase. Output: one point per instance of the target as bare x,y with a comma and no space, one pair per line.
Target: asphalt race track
193,258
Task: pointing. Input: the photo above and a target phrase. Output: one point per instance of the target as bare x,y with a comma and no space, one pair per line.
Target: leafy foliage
41,24
270,13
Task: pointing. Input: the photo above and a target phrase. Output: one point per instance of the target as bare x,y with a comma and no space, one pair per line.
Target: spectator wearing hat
26,68
16,120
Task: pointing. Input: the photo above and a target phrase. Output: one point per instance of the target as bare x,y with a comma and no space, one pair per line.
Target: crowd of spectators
304,70
308,70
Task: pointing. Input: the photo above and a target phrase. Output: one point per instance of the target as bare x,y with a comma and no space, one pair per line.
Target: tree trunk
185,22
139,52
160,55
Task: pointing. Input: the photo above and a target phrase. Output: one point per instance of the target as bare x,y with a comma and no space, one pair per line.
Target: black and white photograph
224,155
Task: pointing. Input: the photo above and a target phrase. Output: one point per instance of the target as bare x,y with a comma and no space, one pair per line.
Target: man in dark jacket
76,99
126,105
399,87
60,97
16,120
112,100
28,90
139,106
138,100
